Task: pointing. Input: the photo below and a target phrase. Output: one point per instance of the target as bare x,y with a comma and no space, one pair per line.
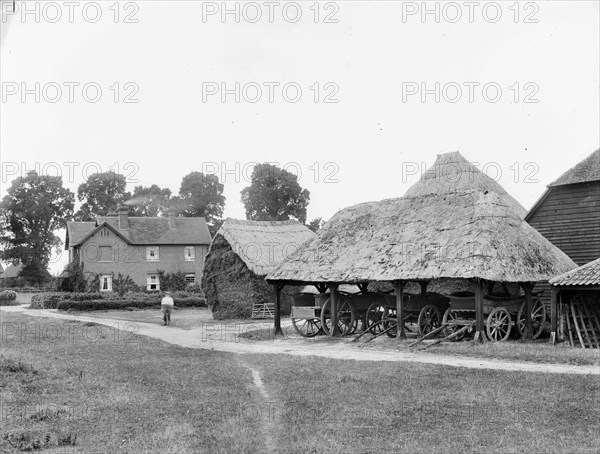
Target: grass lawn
91,389
107,391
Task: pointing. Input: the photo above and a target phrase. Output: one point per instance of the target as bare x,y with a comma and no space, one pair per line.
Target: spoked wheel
538,318
307,327
390,321
374,317
498,324
346,316
451,318
429,319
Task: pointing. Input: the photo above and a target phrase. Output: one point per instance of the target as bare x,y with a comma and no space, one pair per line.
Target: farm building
241,254
10,275
576,303
568,213
455,223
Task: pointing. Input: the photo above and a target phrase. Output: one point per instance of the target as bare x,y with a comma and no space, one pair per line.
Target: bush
8,298
103,304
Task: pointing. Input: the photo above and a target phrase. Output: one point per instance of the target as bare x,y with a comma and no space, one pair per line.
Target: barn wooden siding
569,216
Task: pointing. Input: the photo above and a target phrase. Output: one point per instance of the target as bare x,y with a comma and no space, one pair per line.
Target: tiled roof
77,231
12,270
588,274
144,230
587,170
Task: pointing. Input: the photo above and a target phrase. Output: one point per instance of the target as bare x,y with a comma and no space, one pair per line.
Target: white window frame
192,257
150,282
108,278
149,251
188,275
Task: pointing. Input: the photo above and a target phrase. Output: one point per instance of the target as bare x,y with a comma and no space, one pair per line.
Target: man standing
167,304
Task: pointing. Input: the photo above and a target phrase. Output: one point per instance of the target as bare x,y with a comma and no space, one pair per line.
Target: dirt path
197,338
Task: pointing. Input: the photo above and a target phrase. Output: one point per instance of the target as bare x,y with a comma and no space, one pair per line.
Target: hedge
99,305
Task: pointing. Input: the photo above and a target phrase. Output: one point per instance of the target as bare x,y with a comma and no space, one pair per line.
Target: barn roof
144,230
262,245
588,274
12,270
585,171
435,231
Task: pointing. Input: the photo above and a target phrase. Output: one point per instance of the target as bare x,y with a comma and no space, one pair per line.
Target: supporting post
399,291
527,287
335,329
424,285
479,315
553,313
277,316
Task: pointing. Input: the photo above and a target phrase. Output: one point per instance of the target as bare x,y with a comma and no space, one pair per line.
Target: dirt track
200,339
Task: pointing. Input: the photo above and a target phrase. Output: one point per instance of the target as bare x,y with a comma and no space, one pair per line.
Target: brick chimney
171,214
123,218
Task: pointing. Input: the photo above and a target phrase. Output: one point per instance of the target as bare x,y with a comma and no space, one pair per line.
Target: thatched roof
584,172
439,233
588,274
263,245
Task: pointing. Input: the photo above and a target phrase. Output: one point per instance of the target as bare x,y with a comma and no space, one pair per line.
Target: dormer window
152,254
189,254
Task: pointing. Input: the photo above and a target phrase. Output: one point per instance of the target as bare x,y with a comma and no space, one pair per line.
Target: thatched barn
455,223
241,254
576,302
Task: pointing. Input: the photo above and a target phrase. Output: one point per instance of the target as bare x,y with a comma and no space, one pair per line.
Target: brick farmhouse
138,247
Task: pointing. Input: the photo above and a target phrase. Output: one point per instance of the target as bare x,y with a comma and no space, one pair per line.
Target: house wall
570,218
131,260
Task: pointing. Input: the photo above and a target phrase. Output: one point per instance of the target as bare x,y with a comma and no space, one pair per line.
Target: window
190,278
189,254
153,282
106,254
152,254
106,283
104,232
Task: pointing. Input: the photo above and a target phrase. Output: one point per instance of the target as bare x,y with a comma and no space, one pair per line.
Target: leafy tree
274,194
149,201
201,196
33,209
315,224
101,192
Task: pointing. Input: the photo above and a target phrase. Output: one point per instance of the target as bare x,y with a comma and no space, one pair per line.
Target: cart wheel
375,314
498,324
429,319
346,316
451,318
307,327
538,317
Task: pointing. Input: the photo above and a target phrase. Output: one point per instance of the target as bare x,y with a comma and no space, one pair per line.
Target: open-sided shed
455,223
241,254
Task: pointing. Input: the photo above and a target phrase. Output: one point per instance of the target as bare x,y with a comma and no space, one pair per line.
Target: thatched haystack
440,229
241,254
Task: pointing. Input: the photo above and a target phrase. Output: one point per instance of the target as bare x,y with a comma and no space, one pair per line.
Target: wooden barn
455,223
568,213
241,254
576,306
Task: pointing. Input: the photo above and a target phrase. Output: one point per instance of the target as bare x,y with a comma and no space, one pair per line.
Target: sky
355,97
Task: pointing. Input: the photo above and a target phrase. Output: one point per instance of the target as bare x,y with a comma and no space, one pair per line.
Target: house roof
144,230
262,245
12,270
583,172
437,233
588,274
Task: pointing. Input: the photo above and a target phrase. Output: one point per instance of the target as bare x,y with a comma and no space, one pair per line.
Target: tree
274,194
201,196
101,192
33,209
149,201
315,224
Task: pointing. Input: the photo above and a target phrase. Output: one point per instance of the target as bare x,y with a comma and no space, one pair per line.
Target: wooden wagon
502,312
372,311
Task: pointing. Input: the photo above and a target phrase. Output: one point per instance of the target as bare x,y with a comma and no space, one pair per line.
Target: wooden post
399,291
277,317
527,287
424,285
479,315
335,329
553,313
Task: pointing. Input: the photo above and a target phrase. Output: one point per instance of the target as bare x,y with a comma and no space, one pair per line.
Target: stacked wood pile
581,318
